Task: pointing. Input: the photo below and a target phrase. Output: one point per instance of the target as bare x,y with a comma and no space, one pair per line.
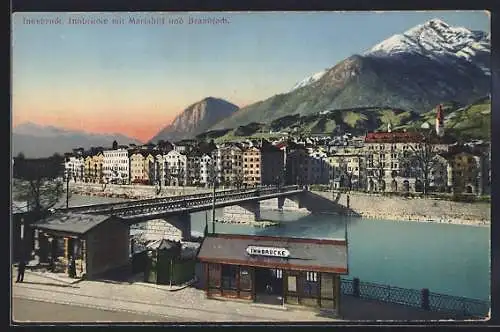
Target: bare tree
39,182
342,173
419,161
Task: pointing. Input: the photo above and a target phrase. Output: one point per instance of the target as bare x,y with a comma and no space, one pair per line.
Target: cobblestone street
191,305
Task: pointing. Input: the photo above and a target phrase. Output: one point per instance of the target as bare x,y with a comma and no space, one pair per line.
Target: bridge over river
238,204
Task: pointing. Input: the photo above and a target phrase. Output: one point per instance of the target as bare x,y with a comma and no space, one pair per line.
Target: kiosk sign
267,251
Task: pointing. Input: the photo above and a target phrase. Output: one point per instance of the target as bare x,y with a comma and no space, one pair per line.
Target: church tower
440,121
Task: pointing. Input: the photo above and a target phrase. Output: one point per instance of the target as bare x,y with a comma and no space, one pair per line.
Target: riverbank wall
132,191
375,206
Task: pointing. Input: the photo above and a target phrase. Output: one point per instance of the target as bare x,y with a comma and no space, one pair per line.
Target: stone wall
132,191
160,229
399,208
246,213
288,205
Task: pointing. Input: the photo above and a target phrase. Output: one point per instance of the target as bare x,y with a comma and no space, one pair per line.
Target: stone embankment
132,191
375,206
261,223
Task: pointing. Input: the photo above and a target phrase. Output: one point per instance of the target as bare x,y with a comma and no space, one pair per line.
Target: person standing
20,271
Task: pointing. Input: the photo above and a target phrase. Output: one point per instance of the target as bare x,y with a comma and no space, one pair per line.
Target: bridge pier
282,204
175,228
243,212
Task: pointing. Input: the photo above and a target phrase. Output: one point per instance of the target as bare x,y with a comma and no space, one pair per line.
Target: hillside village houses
388,161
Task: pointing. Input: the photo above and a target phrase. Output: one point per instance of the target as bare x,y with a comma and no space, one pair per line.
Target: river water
447,259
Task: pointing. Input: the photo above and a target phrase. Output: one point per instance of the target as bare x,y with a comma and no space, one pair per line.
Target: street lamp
66,177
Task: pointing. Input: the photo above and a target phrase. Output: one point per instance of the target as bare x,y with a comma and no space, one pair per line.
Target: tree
342,174
419,161
39,182
115,145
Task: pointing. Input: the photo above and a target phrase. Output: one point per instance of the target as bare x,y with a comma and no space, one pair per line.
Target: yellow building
93,166
346,170
137,162
87,170
464,172
96,167
252,166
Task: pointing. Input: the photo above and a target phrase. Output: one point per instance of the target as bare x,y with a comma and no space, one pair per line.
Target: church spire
440,121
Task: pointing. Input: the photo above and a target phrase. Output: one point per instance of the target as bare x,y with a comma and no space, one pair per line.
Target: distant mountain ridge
196,119
426,65
471,121
37,141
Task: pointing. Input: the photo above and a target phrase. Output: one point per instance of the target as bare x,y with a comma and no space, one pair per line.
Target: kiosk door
269,286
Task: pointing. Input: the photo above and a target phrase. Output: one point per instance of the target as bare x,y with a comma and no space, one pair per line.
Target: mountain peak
210,98
411,70
436,22
196,119
435,38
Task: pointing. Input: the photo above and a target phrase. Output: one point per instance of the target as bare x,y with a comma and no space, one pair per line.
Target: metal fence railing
460,306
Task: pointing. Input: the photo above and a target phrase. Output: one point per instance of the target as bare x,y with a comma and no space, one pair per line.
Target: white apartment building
116,166
207,169
175,168
75,167
318,171
193,168
229,164
385,152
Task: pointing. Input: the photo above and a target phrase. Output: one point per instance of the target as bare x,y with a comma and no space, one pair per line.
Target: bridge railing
127,204
460,306
128,208
153,208
146,201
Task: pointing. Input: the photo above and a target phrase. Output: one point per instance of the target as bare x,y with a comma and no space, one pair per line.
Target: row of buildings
386,161
181,164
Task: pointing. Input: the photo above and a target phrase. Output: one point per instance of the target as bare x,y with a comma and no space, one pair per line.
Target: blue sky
140,76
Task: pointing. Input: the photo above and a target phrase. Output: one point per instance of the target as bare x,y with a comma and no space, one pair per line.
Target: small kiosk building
96,243
274,270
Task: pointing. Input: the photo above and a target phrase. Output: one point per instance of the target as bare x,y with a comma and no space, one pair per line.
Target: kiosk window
292,283
214,275
229,276
311,284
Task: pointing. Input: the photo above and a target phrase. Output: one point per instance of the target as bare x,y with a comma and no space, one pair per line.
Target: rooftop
404,137
304,254
71,222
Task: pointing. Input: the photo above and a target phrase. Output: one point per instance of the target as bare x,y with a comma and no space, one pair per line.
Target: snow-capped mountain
428,64
437,40
308,80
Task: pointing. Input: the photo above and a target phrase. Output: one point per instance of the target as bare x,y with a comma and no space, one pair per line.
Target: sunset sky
134,79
